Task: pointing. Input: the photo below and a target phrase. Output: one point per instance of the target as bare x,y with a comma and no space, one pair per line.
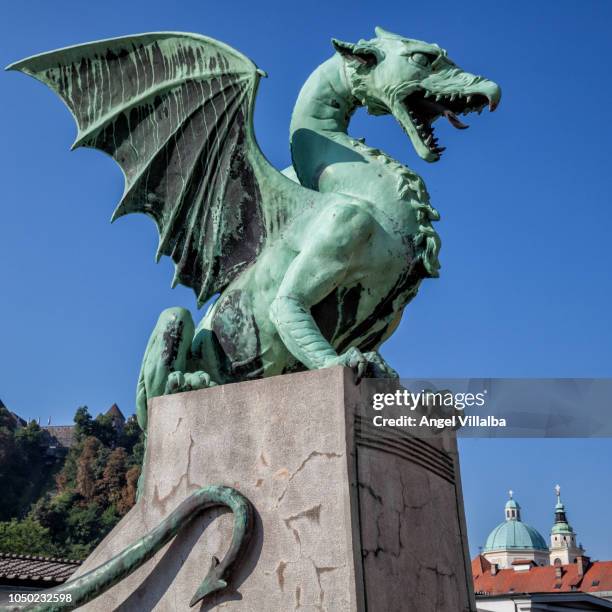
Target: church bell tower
563,547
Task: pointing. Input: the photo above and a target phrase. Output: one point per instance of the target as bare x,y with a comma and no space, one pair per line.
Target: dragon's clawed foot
187,381
369,364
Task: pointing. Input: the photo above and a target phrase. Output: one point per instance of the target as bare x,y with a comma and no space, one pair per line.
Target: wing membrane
175,111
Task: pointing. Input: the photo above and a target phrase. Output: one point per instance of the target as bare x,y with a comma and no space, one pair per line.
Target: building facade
518,571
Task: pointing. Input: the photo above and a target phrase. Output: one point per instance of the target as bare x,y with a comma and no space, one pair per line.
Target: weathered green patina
90,585
310,272
312,266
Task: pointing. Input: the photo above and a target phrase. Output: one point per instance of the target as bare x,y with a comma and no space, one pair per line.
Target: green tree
83,524
26,466
31,441
105,431
27,537
94,488
83,423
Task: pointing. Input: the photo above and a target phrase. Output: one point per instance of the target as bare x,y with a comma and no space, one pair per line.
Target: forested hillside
63,506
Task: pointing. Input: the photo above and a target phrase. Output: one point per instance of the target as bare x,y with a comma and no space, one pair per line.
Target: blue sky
524,196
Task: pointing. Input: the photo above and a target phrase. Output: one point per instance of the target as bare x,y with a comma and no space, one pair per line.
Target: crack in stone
162,501
380,549
319,570
296,535
178,424
280,575
399,530
425,593
312,455
321,591
370,490
312,514
298,595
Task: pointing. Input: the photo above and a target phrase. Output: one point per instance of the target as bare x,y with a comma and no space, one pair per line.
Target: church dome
513,534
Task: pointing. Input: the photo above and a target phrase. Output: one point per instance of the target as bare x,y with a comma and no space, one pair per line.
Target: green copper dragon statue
312,266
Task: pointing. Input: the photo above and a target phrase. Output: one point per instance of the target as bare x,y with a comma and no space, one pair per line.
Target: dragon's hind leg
167,366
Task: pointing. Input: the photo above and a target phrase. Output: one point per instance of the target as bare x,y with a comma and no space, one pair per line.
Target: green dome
561,529
514,535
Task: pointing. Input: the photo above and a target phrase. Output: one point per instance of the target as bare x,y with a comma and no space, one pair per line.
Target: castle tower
117,417
563,547
514,540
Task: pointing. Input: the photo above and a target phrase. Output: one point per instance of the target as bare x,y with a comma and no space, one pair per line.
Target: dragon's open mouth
425,107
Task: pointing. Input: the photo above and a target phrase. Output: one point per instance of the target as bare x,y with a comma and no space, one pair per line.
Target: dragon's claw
364,364
187,381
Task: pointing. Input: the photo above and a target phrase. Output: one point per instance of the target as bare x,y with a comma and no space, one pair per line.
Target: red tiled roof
598,577
601,573
27,569
480,565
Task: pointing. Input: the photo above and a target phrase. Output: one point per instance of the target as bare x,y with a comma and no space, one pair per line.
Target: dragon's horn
381,33
343,47
362,51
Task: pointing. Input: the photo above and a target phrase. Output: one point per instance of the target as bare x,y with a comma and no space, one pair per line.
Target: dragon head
417,83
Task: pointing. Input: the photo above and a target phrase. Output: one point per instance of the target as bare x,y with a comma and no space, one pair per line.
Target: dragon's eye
421,59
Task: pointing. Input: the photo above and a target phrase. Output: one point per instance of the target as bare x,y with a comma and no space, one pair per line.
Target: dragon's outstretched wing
175,111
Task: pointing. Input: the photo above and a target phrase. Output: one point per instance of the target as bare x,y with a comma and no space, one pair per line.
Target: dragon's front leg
304,339
79,591
323,264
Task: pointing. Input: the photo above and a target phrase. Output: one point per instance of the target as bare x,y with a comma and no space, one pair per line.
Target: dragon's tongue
454,120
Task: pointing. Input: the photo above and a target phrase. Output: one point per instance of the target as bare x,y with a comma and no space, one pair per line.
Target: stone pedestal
349,517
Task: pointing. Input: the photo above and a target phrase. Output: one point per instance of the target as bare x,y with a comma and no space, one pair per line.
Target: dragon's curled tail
97,581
